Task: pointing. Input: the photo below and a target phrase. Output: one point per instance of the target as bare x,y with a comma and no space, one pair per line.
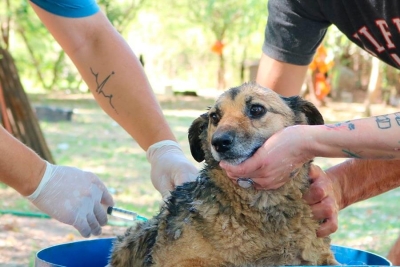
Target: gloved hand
74,197
169,166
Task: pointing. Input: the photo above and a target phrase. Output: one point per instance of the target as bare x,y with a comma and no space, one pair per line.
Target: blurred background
186,45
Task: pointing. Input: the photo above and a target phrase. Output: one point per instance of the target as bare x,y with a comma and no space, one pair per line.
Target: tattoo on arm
357,155
397,117
350,126
100,87
351,154
383,122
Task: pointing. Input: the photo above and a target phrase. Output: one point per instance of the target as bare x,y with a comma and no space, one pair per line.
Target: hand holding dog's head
242,119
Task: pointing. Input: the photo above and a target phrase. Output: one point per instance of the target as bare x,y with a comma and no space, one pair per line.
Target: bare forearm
20,167
356,180
126,95
112,72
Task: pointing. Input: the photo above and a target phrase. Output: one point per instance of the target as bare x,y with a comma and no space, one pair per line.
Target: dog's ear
198,126
298,104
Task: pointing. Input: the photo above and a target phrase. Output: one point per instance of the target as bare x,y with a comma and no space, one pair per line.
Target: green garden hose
45,216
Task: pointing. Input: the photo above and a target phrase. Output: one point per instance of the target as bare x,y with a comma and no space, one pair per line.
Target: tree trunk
221,73
17,115
373,85
35,61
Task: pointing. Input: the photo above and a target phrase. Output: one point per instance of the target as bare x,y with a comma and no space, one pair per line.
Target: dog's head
242,119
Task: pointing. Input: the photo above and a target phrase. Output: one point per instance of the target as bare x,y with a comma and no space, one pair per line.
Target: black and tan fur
213,221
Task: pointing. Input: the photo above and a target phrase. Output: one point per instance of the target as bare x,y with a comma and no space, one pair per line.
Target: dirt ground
22,237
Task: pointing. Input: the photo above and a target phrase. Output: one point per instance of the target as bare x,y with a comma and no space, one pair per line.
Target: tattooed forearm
100,87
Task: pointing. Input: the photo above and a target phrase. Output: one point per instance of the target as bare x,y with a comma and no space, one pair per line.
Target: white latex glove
74,197
169,166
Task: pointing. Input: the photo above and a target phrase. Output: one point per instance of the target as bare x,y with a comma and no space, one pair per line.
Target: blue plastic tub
95,253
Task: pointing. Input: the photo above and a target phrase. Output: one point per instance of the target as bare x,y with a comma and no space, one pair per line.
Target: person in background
319,85
294,31
117,80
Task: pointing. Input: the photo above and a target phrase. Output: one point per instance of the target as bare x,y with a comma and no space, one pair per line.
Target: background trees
16,114
176,41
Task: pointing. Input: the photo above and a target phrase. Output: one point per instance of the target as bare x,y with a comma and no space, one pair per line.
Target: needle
124,214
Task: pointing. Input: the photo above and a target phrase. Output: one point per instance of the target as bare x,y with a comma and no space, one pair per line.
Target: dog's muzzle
234,148
245,182
223,141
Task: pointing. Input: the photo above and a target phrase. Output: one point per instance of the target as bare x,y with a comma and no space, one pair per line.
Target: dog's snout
223,141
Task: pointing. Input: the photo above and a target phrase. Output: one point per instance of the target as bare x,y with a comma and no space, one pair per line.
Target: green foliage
175,39
40,61
121,13
232,18
231,21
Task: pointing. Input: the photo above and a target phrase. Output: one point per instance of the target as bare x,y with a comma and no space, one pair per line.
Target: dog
215,222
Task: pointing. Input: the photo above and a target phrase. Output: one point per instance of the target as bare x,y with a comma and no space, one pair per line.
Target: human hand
276,161
169,166
74,197
323,200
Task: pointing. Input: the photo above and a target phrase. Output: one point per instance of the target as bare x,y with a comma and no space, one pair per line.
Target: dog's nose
222,142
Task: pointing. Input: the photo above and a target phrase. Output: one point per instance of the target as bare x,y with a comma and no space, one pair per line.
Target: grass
372,224
94,142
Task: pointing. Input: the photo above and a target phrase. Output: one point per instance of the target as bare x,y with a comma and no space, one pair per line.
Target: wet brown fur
214,222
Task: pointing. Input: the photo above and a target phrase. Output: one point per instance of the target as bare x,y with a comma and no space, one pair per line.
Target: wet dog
214,222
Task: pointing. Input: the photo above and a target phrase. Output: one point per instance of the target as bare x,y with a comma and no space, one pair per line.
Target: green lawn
94,142
372,224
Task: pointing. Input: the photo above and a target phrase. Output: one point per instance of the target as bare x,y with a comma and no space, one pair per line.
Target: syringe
124,214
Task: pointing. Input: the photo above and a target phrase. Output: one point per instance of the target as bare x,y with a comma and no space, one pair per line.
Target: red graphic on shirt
364,34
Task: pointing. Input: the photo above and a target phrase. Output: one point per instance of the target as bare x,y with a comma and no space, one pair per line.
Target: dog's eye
214,118
257,111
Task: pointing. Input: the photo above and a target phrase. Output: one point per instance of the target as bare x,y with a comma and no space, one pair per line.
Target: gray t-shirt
295,28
